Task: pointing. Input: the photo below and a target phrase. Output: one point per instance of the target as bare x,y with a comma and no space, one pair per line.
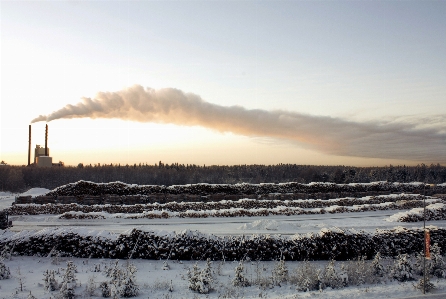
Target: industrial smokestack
29,146
46,140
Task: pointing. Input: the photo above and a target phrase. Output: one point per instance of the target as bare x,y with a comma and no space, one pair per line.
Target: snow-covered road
285,225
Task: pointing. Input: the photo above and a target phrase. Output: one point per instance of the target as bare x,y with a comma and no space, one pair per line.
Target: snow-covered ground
154,282
7,198
273,224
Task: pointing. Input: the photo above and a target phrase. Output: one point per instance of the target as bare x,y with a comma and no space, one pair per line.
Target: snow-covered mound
119,188
383,202
35,192
436,211
265,224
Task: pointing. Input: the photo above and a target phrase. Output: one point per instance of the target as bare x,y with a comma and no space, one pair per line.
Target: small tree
115,273
239,278
50,283
129,286
206,278
4,271
356,272
20,279
90,287
307,277
193,277
402,269
30,296
429,285
280,273
105,289
438,263
421,263
377,267
201,281
68,282
330,277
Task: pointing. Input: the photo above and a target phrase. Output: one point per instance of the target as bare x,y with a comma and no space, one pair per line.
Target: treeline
20,178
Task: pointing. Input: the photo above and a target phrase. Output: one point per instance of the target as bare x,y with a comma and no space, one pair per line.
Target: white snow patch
265,224
35,192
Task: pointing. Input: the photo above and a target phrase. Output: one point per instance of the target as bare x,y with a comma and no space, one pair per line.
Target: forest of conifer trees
21,178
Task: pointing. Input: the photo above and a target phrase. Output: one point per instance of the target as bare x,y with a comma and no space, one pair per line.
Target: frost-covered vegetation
191,245
98,278
225,208
119,188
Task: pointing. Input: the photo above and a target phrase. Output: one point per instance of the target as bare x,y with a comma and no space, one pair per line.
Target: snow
154,282
265,224
398,217
35,192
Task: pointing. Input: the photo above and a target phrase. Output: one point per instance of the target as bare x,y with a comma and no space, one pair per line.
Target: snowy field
154,282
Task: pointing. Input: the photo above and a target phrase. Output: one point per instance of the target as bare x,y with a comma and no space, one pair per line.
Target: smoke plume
412,139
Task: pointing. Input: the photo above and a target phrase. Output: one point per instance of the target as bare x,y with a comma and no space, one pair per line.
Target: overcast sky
313,82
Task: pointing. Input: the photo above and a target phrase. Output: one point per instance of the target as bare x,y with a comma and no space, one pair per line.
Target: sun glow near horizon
356,67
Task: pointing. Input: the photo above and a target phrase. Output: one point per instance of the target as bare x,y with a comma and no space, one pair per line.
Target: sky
358,83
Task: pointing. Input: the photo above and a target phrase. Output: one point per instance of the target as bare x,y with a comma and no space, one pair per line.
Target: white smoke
412,139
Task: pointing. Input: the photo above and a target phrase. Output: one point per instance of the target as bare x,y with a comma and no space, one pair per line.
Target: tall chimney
46,140
29,146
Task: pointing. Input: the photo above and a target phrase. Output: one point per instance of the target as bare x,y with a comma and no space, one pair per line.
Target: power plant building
39,152
44,161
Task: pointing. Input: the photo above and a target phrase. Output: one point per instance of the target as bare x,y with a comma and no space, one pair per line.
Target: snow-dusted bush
422,263
49,281
356,272
280,272
115,273
201,281
193,276
438,262
30,296
429,285
129,287
206,278
402,269
330,277
166,266
189,245
122,281
105,289
377,268
90,286
239,276
307,277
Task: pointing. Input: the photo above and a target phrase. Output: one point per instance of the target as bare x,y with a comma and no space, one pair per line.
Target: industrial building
41,154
